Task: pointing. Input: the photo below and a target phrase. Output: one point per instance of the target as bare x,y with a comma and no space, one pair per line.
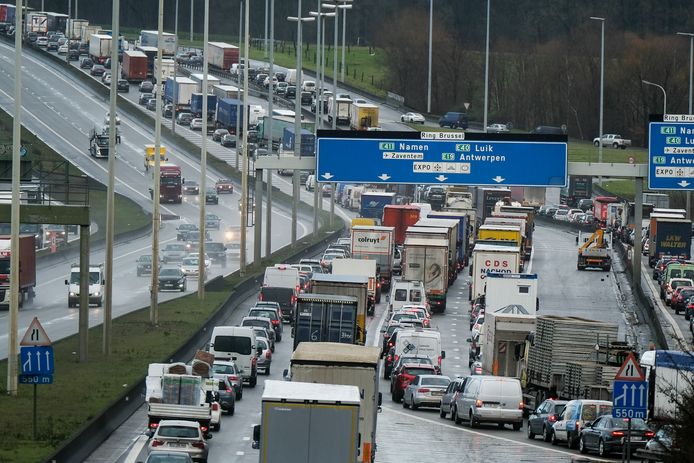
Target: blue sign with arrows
36,360
630,399
441,158
671,153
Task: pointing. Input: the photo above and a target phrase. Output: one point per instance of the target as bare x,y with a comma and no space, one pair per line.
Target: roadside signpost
441,158
671,153
36,359
630,396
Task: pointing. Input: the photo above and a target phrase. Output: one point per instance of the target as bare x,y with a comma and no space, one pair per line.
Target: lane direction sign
35,335
671,153
36,360
397,157
630,399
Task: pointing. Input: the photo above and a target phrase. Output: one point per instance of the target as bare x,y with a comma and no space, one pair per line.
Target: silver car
449,397
425,391
183,436
173,253
232,373
264,355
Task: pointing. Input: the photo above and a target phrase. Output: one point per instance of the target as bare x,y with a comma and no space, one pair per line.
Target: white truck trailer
488,258
361,267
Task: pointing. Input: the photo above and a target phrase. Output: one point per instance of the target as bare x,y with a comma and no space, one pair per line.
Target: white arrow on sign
327,175
683,184
441,178
384,177
498,179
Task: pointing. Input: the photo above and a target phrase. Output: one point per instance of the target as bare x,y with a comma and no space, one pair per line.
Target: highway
421,434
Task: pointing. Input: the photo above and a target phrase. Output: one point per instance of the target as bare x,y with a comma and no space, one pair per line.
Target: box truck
198,79
373,202
184,92
356,286
363,116
196,101
361,267
400,217
374,242
488,258
27,269
669,237
326,318
222,55
308,141
151,39
134,66
100,48
504,337
426,259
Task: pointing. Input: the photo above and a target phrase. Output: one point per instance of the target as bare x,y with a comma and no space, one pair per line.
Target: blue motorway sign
629,399
441,161
35,379
671,153
36,360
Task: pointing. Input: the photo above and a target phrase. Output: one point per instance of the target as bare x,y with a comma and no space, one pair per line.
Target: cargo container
464,229
27,269
362,267
505,335
492,258
167,70
227,91
669,374
100,47
363,116
373,202
222,55
326,318
75,28
36,22
196,101
600,208
184,92
426,259
279,123
580,187
134,66
400,217
374,242
308,141
56,22
457,254
151,39
342,110
7,13
505,289
487,198
356,286
151,53
331,363
198,79
226,114
669,237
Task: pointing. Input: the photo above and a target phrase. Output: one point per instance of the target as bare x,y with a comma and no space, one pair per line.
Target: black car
217,252
540,421
306,98
191,188
97,70
229,140
172,279
73,55
290,93
454,120
123,85
211,196
184,118
184,230
144,265
144,98
226,396
606,435
168,111
218,134
107,63
146,86
83,48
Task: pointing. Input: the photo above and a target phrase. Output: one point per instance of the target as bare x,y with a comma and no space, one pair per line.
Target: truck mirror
468,340
103,282
380,399
470,271
256,436
443,354
66,282
285,373
537,304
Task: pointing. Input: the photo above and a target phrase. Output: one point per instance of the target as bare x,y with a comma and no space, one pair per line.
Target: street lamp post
691,72
244,149
203,152
431,27
486,69
191,19
268,209
602,82
664,94
344,7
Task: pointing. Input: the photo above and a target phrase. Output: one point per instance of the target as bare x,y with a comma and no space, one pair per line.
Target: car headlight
71,294
97,294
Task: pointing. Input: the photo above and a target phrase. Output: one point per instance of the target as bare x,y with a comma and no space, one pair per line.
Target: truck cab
98,145
96,285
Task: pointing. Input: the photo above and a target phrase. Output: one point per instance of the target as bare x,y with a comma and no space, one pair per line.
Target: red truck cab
27,269
170,182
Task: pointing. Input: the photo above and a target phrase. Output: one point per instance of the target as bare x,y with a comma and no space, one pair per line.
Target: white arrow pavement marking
327,175
384,177
683,183
441,178
498,179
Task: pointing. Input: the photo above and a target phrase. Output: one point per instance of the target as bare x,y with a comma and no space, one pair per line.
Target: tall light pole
268,209
238,89
486,69
602,81
266,13
192,11
334,111
691,72
244,151
175,73
664,94
431,28
203,152
297,113
344,7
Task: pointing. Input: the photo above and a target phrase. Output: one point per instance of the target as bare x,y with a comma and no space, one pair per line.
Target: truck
198,78
149,156
308,141
196,100
580,187
151,53
492,233
98,144
464,237
56,22
134,66
7,14
373,203
594,252
341,108
458,197
356,286
326,318
531,196
75,28
363,116
185,88
612,139
527,215
151,39
227,91
361,267
399,217
442,233
177,396
290,78
281,284
87,32
228,110
504,337
96,285
309,421
426,260
669,237
36,22
488,258
670,374
487,198
170,181
167,70
506,289
100,48
658,200
374,242
457,252
222,55
331,363
601,207
27,269
279,123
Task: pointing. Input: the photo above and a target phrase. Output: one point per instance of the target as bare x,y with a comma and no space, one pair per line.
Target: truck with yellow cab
149,155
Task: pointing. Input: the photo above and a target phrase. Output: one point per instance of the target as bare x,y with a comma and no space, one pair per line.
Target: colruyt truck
222,55
308,422
373,242
330,363
441,233
365,268
355,286
326,318
134,66
27,269
426,260
400,217
175,393
669,237
488,258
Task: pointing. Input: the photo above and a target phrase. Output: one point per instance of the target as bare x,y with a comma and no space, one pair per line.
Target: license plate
491,405
437,393
177,445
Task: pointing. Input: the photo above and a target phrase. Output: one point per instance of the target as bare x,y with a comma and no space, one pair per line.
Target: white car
62,50
42,42
562,215
308,86
215,416
196,255
412,117
196,124
572,213
107,119
497,128
189,267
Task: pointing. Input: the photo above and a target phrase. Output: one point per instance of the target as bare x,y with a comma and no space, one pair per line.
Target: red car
224,185
399,382
680,298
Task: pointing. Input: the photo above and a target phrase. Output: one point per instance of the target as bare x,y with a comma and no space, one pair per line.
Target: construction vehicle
594,252
98,144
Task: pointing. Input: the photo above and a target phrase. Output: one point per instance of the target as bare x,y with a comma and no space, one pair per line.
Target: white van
406,292
96,285
310,182
490,399
238,344
420,342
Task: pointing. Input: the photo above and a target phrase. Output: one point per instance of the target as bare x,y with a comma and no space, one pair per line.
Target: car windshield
188,226
636,423
261,323
211,217
416,359
403,316
260,342
239,344
418,371
75,278
215,247
186,432
145,259
190,261
169,272
271,314
435,381
223,369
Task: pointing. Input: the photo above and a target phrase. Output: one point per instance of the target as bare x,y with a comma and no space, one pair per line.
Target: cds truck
488,258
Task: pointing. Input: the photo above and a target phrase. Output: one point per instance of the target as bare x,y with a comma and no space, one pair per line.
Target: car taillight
439,360
275,322
578,425
229,389
396,357
378,285
293,299
521,405
389,358
478,370
649,434
233,378
254,361
198,445
617,433
260,297
157,443
215,406
552,418
423,390
203,428
390,344
154,425
406,378
267,354
478,403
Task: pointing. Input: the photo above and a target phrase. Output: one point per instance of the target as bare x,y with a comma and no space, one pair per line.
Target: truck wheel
217,427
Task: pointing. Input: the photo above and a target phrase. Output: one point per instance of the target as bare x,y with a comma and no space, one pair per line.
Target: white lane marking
134,451
491,436
382,320
530,264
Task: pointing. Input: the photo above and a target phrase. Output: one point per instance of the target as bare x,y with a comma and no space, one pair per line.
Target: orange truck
27,269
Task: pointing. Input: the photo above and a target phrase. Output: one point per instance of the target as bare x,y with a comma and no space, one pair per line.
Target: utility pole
431,26
486,69
244,151
691,73
175,89
271,97
192,13
238,91
265,23
203,154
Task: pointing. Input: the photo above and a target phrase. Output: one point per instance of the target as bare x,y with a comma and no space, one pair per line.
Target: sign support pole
34,414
